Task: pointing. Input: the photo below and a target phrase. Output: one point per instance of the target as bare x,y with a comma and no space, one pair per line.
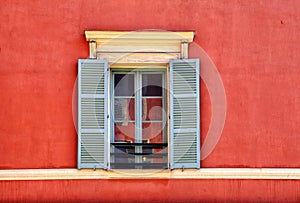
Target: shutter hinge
107,116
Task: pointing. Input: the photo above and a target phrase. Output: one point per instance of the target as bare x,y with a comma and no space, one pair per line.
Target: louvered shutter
92,113
184,114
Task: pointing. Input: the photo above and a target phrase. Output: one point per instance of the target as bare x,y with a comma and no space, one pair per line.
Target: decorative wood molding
204,173
93,49
184,50
103,36
138,46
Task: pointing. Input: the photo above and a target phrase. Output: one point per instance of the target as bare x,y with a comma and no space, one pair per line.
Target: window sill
204,173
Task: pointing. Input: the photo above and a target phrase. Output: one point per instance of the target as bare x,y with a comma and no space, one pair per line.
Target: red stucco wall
151,191
254,44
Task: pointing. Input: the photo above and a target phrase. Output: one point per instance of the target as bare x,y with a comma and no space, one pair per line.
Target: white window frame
138,71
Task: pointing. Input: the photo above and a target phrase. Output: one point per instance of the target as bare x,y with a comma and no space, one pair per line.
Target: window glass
138,121
124,109
152,109
124,84
152,84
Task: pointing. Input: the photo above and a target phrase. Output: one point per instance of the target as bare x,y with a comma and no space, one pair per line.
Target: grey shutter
184,114
92,113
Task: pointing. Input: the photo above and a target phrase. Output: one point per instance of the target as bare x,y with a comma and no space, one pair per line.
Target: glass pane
152,109
124,84
152,132
124,132
152,84
124,109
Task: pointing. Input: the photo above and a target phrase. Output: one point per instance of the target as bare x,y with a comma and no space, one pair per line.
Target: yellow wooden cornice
138,46
165,36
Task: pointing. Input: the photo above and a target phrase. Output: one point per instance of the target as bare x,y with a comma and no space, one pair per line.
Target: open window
138,116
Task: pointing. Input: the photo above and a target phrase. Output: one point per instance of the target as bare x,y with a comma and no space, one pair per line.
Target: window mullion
138,115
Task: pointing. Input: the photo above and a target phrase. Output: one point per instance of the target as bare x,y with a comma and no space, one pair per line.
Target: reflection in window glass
152,84
152,109
152,132
124,109
124,84
125,132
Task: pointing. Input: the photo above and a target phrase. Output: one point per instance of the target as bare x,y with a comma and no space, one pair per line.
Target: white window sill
204,173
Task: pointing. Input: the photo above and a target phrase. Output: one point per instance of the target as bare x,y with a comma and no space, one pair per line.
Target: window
138,118
139,132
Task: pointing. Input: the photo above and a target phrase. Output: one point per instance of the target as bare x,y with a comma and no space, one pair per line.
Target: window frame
165,96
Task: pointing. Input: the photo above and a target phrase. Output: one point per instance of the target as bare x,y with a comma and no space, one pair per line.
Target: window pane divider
124,97
119,121
154,121
152,97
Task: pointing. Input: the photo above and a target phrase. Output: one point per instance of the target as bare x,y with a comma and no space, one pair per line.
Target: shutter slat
92,113
185,111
